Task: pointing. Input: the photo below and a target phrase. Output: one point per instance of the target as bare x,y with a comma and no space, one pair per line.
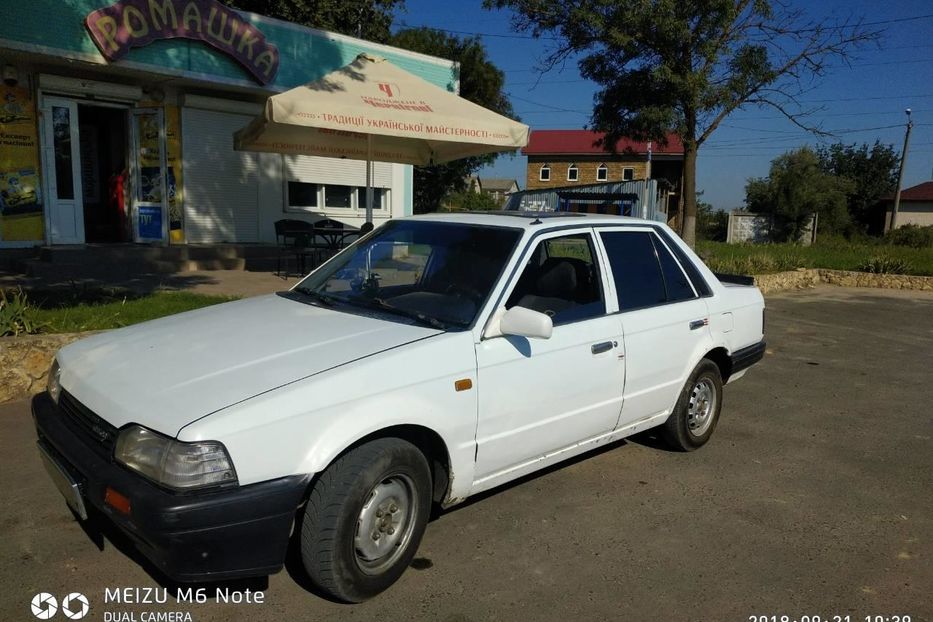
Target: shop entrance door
149,205
104,143
62,159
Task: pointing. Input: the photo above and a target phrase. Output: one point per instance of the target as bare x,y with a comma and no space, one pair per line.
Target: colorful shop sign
20,199
129,24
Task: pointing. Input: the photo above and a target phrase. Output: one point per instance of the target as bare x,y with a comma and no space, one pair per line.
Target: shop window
573,173
380,198
340,197
545,173
602,173
302,195
628,174
306,196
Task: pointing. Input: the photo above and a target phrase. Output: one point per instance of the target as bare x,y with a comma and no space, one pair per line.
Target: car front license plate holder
65,483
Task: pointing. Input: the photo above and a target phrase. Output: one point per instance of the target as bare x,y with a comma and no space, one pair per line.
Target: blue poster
150,222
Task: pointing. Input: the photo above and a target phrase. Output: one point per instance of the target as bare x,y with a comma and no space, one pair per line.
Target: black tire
378,471
683,430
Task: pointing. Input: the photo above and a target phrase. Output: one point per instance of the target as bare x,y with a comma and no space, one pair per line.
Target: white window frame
628,170
301,209
357,200
602,172
544,173
576,172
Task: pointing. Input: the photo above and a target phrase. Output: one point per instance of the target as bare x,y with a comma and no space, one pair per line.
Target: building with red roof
916,207
567,158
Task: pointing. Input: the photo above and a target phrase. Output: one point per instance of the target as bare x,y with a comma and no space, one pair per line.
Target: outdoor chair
294,239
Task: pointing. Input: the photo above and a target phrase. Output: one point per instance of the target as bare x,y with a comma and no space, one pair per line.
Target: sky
860,104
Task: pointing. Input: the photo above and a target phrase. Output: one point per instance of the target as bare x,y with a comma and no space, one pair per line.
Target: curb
25,361
808,277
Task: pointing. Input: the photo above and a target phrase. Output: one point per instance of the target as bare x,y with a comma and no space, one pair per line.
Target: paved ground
813,498
218,282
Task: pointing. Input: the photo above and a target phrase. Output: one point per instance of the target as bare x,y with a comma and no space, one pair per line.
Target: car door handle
695,324
605,346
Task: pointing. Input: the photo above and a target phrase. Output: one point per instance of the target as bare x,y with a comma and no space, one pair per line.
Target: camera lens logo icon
44,605
75,606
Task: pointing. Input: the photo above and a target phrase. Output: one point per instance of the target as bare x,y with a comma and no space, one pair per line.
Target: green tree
683,66
796,188
472,201
711,222
366,19
481,82
872,170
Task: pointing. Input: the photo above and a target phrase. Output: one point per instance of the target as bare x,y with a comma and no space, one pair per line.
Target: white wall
235,196
912,212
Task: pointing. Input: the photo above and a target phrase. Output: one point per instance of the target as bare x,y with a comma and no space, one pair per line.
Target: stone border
25,361
808,277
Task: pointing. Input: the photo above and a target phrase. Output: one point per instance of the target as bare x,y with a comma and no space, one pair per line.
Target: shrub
17,315
911,235
882,264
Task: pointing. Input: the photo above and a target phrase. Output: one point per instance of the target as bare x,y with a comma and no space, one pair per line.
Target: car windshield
434,273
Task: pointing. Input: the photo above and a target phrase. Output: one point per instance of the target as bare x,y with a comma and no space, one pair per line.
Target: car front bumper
193,536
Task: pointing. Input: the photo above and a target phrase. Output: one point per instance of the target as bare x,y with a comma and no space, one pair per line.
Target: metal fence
756,228
641,199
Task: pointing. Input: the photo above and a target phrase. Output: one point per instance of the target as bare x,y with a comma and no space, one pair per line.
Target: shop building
117,123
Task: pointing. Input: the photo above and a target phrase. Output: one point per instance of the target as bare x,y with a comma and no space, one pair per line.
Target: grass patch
834,254
109,309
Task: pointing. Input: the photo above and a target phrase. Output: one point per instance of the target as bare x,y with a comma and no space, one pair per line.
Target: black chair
291,237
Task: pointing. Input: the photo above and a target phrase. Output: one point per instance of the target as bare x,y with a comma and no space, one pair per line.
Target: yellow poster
173,158
149,163
20,190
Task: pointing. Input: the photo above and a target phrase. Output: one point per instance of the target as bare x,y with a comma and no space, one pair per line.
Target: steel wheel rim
386,523
701,407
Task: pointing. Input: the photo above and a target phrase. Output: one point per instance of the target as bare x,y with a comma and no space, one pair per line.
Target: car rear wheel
365,517
696,414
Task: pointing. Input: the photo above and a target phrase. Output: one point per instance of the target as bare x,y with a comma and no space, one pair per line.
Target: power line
852,66
551,38
881,49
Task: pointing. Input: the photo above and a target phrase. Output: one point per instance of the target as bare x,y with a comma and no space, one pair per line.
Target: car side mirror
523,322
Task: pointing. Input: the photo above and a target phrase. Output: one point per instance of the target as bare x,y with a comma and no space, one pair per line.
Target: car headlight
54,384
172,463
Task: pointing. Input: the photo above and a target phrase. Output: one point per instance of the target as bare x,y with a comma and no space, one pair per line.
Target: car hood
166,373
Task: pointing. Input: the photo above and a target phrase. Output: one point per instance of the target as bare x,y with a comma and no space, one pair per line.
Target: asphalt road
814,498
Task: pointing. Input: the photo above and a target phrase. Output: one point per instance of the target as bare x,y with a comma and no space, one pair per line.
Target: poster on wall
150,180
20,190
173,158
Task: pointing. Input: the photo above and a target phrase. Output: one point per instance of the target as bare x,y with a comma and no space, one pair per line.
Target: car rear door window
635,269
675,281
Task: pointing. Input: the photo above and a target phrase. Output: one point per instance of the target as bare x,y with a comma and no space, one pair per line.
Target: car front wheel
696,414
365,517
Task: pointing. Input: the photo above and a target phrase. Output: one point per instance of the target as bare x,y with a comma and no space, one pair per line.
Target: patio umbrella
372,110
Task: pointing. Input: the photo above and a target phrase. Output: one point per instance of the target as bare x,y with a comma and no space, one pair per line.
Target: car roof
532,220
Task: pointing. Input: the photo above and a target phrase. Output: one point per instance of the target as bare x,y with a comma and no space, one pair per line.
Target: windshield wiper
329,301
391,308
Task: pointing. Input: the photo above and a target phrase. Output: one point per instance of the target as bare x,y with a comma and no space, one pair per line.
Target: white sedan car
435,358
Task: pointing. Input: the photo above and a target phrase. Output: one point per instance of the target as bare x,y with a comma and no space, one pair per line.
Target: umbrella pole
369,178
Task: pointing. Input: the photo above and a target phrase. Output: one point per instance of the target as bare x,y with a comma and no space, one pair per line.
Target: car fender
302,427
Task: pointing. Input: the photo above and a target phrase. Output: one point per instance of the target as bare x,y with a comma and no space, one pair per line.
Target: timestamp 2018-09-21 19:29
830,618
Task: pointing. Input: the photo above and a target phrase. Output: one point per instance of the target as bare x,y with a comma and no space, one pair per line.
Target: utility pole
900,173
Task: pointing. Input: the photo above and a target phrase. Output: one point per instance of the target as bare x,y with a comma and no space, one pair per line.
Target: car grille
101,433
